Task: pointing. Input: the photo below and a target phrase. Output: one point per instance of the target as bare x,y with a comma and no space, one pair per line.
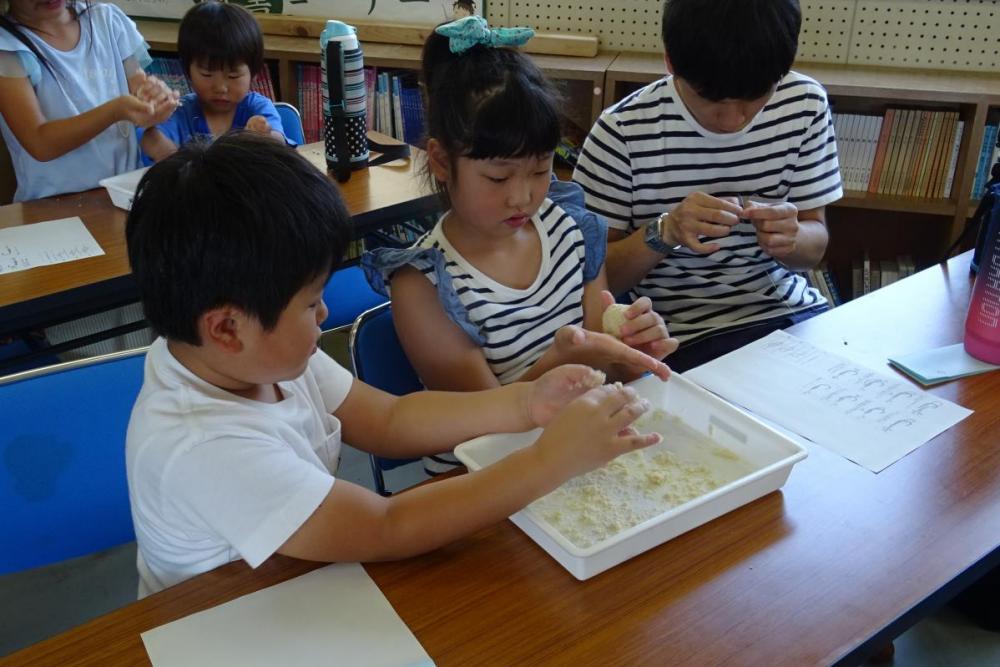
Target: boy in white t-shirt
236,433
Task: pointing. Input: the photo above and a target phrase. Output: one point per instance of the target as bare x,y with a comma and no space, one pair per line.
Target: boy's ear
666,61
437,160
224,328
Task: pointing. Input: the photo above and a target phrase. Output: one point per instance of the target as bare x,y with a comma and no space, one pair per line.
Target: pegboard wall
937,34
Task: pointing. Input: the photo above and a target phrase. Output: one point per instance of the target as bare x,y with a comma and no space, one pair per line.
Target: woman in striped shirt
509,282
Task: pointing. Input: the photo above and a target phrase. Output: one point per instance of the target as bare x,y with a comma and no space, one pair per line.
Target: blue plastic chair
63,491
291,122
347,294
379,360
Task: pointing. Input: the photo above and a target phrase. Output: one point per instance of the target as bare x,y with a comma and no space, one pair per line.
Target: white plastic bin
769,453
121,188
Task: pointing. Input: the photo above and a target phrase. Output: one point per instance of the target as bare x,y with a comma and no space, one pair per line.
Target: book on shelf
868,275
987,158
820,278
892,150
883,138
906,138
310,101
169,70
831,285
935,186
905,153
949,174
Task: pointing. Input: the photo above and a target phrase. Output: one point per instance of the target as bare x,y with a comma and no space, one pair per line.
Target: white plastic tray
770,454
121,188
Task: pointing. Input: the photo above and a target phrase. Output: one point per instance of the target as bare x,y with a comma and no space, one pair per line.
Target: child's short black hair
219,35
731,49
488,102
244,221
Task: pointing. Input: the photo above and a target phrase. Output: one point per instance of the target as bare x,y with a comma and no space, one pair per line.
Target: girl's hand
573,344
549,394
259,125
154,91
134,110
644,328
777,226
594,429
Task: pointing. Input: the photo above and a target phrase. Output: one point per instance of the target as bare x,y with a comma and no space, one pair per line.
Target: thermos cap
338,31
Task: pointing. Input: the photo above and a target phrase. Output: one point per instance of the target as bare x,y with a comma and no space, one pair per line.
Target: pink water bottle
982,325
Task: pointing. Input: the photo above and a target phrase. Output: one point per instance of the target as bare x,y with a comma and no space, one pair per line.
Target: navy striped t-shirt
647,153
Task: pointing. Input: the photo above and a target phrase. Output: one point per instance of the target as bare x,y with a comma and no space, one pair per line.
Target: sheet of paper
332,616
52,242
929,367
866,416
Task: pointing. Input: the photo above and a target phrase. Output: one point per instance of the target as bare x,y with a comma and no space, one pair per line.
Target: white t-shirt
214,477
647,153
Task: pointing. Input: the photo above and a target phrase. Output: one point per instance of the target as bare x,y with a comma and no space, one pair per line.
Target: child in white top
235,436
510,283
72,91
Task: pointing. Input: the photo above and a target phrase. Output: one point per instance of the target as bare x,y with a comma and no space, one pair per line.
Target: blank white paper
53,242
868,417
335,615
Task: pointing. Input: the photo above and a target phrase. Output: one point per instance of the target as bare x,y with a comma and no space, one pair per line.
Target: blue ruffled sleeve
569,196
381,263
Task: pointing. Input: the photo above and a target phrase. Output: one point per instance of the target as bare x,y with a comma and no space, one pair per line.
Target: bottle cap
340,32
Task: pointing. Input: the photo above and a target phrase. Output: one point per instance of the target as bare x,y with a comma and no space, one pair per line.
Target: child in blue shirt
72,92
221,50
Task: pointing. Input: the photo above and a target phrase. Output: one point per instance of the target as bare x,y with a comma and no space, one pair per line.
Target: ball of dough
614,318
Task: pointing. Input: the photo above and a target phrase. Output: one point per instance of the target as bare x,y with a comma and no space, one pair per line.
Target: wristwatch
654,237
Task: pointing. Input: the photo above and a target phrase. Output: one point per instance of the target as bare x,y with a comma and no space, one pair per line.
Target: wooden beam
398,33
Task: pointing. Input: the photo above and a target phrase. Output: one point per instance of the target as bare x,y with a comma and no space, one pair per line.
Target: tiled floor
40,603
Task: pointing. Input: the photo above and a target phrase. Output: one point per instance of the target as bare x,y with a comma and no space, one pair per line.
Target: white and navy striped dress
513,326
647,153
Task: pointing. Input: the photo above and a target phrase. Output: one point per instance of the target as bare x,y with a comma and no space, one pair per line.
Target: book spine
919,151
831,286
883,141
927,170
905,150
956,144
892,152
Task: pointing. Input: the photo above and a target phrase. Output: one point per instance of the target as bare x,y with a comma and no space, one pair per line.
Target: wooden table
824,571
60,292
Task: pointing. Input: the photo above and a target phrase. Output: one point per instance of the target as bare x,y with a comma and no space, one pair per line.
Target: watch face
654,237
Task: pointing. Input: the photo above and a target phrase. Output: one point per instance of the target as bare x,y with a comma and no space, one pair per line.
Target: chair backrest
377,355
347,294
379,360
291,122
63,491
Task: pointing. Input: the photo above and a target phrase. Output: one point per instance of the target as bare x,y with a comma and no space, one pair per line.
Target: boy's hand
549,394
259,125
577,345
697,216
592,430
644,328
777,226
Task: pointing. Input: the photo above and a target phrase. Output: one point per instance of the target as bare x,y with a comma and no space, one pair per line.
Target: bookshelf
883,225
581,78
